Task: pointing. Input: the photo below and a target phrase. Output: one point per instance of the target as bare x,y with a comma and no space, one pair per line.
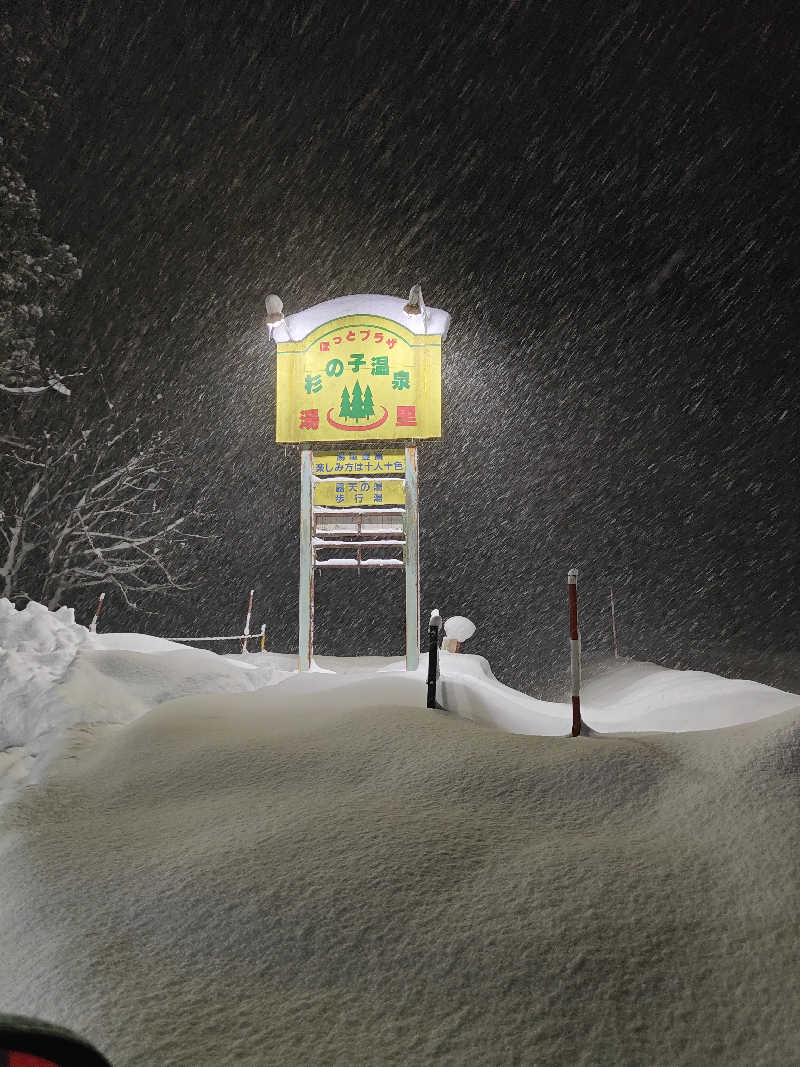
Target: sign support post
411,560
306,614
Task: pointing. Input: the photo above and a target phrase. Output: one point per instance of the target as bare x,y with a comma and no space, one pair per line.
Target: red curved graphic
360,429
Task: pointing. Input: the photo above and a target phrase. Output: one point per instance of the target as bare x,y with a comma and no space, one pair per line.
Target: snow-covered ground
221,860
55,674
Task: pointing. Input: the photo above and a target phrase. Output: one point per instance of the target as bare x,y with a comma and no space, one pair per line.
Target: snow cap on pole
415,305
274,306
459,628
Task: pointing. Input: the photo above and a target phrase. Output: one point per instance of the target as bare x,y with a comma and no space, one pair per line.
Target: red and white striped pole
574,651
614,624
93,623
247,623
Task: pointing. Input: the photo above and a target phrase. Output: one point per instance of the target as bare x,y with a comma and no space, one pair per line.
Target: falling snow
605,200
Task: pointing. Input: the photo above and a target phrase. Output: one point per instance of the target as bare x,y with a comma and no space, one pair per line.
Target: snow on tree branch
90,510
35,274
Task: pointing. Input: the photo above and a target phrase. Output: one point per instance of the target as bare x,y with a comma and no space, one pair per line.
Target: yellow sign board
359,377
359,493
349,463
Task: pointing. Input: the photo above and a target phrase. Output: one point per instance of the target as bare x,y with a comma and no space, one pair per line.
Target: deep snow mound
633,696
55,674
37,647
324,870
36,628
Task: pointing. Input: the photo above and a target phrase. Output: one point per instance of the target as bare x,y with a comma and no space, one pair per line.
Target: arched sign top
360,376
297,327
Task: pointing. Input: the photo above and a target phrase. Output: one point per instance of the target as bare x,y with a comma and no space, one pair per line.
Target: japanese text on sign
359,493
391,462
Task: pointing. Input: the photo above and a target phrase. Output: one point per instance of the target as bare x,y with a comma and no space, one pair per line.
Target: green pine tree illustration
357,403
369,407
346,410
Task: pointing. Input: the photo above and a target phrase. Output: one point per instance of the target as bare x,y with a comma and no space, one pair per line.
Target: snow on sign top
298,326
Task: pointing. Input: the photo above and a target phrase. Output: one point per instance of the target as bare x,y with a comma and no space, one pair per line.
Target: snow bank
37,648
642,696
134,643
55,674
326,872
315,868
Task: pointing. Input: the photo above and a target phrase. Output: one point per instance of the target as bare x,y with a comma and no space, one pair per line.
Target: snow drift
321,870
55,675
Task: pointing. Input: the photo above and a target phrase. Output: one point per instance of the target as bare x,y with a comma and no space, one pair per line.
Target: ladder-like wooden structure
327,533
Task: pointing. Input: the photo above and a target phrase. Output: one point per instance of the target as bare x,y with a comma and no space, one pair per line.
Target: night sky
604,197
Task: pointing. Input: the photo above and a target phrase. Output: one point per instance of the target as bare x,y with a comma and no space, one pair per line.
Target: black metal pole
433,656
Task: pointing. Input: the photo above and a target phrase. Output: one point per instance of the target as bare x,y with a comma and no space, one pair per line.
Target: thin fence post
263,632
575,651
614,624
246,633
93,623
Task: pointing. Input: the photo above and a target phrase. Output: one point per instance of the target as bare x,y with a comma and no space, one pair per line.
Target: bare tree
88,510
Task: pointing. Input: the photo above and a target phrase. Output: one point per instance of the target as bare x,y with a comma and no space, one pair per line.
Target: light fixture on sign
274,306
415,305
